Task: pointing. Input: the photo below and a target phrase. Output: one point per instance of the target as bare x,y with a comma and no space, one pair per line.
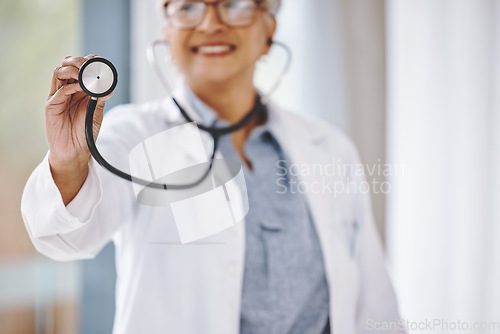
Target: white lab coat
166,287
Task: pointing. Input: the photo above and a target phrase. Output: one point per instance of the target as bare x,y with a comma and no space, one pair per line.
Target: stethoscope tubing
94,151
215,132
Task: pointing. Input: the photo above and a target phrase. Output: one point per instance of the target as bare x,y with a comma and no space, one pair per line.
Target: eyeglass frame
259,3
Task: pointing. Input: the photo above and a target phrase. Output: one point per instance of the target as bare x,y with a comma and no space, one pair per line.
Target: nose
211,22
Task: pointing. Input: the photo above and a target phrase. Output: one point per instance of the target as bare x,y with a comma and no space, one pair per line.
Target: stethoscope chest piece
98,77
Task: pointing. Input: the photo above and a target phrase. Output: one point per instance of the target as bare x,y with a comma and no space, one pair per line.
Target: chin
213,78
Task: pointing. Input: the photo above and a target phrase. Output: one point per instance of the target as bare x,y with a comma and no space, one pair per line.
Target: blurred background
414,82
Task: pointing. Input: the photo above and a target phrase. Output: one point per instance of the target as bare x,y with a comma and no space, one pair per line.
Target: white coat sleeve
79,230
48,221
377,305
103,204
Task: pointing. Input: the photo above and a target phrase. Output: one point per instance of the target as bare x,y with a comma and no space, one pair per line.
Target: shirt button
233,268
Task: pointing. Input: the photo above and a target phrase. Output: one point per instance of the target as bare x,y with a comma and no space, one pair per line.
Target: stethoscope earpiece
98,77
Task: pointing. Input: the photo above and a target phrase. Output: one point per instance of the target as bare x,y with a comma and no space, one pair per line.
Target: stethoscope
98,78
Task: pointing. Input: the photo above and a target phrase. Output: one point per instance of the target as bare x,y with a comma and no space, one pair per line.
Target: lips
213,49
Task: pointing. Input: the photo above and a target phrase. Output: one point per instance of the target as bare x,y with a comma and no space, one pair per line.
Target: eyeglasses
186,14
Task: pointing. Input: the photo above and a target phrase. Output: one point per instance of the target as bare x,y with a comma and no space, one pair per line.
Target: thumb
102,101
99,109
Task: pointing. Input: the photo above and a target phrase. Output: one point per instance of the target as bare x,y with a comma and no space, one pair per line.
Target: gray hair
274,6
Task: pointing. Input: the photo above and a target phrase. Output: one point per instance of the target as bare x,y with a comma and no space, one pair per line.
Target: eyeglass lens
188,14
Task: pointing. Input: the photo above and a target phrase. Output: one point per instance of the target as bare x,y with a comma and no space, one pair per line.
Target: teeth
214,49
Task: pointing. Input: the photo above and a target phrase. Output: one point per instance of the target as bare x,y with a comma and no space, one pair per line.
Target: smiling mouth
213,50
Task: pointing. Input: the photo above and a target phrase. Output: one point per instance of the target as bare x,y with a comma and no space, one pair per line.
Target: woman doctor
300,262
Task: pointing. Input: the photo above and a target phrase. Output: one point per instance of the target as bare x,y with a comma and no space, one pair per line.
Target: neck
231,100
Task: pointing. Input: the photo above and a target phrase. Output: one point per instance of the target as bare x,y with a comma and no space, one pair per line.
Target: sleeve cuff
83,205
43,208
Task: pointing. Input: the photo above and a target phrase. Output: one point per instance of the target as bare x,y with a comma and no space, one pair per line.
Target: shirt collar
209,117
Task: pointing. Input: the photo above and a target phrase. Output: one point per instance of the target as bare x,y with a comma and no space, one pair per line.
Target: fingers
54,84
63,93
67,71
63,85
74,61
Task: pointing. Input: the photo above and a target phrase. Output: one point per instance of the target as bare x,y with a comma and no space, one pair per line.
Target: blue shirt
284,283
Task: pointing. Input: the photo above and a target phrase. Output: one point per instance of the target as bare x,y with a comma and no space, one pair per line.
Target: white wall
443,126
